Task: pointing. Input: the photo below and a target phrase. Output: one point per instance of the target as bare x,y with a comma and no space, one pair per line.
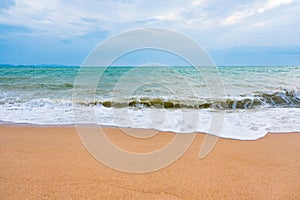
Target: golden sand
52,163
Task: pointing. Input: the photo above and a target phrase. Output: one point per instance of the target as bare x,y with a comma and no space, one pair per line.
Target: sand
52,163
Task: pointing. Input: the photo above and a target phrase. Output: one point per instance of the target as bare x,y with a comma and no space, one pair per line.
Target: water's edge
32,125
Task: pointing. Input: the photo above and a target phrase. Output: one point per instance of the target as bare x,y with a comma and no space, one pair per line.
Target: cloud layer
214,23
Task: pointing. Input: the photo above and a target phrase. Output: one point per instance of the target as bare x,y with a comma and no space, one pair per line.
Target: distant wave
61,86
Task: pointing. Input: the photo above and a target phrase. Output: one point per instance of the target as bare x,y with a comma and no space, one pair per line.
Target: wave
284,98
61,86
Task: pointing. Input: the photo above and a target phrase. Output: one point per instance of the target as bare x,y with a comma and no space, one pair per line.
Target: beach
40,162
113,100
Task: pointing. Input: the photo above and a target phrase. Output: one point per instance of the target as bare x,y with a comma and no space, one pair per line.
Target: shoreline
13,124
52,163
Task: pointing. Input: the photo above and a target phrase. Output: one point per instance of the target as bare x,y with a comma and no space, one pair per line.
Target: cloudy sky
258,32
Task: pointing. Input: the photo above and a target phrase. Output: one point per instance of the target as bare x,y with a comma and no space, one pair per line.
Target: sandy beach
52,163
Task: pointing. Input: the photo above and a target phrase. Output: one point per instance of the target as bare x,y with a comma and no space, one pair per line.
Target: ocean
256,100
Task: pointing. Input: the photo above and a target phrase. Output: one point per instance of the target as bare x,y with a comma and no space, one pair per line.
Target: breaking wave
283,98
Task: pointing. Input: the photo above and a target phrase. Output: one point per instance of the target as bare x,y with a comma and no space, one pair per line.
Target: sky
235,32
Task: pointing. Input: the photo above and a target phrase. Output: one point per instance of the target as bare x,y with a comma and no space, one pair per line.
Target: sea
254,100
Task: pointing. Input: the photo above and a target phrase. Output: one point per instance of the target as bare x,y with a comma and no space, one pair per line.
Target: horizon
65,65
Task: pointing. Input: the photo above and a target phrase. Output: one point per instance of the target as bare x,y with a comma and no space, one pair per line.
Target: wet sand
52,163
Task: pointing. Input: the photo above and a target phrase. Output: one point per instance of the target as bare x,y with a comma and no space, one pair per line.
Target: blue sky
233,32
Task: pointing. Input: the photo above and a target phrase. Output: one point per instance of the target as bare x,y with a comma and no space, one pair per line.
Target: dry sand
51,163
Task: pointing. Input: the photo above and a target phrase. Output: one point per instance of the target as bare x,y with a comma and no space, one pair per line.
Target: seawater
257,99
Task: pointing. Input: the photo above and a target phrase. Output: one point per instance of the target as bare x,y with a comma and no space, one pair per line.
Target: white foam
238,124
254,124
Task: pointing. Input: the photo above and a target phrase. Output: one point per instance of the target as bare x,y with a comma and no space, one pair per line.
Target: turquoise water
272,86
43,94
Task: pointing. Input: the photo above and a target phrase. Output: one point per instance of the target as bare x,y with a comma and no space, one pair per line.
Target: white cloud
272,4
255,8
208,21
